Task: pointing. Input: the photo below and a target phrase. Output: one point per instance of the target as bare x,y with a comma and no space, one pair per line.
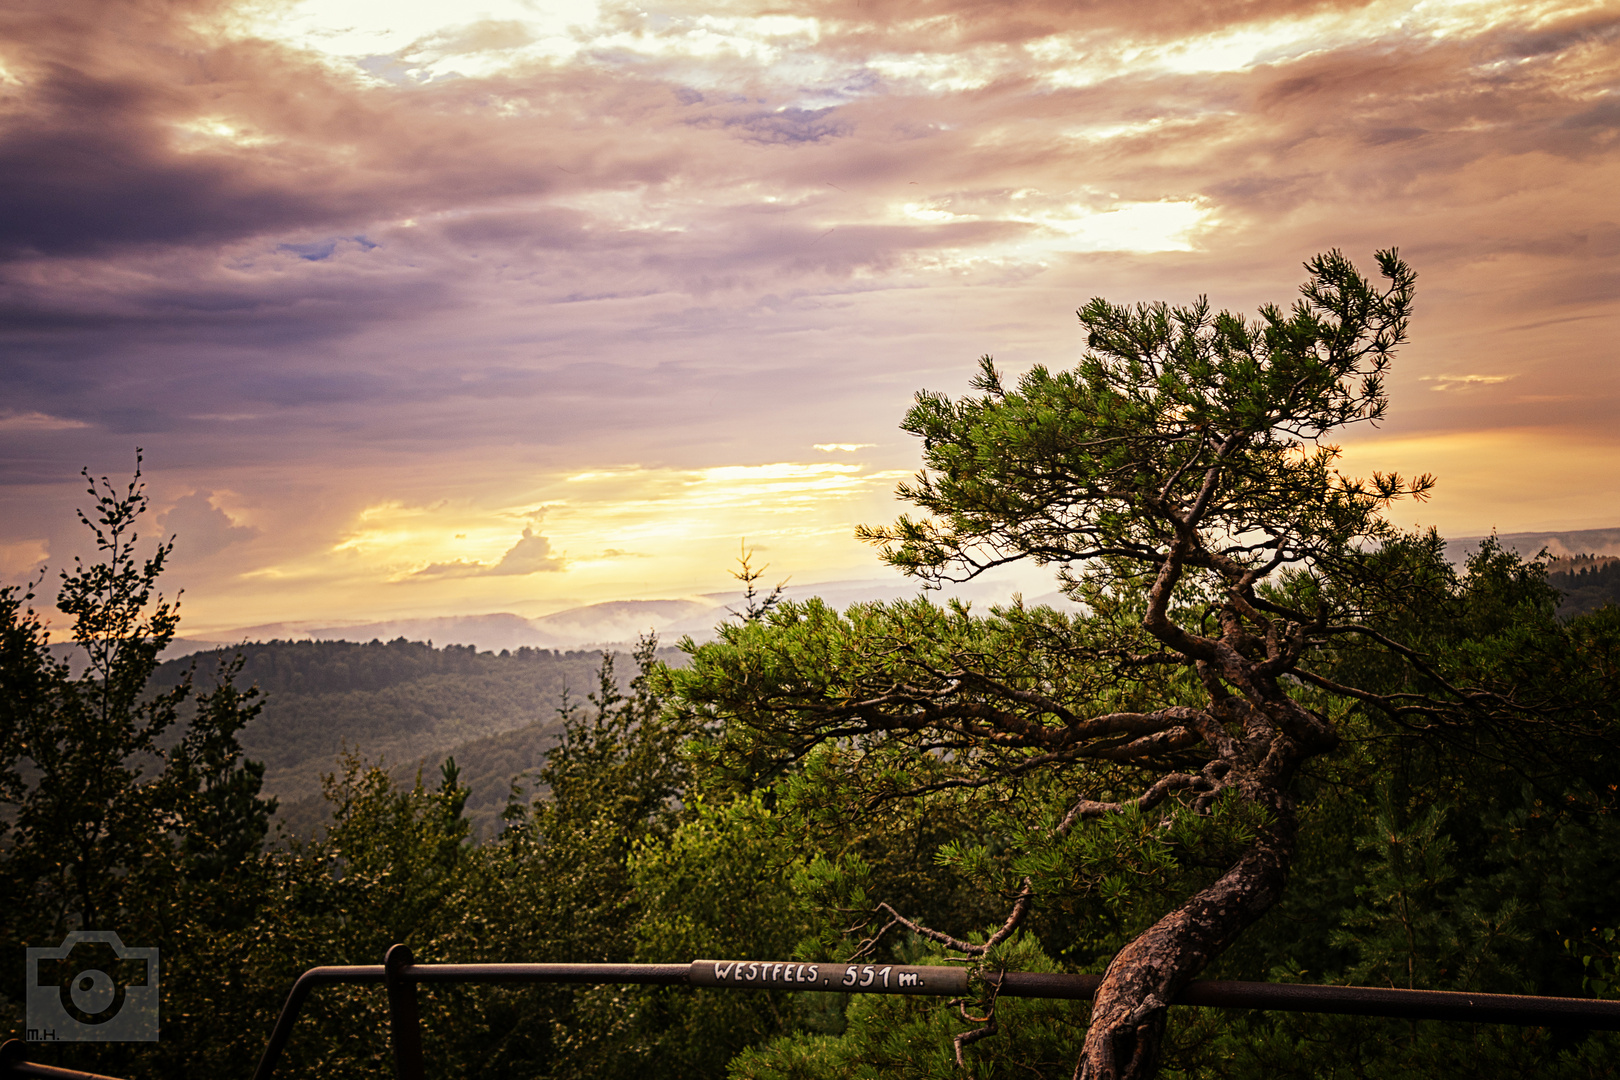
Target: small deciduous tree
1182,480
95,793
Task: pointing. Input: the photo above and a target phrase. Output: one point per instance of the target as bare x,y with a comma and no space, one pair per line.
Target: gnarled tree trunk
1128,1015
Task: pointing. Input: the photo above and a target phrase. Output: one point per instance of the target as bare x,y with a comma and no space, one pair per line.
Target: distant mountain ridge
582,627
1563,545
612,624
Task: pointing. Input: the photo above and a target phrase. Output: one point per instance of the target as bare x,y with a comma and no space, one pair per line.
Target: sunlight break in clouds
678,528
1143,227
431,38
651,505
417,42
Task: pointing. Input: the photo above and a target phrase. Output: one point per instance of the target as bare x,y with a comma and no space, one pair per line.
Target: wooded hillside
1588,582
399,704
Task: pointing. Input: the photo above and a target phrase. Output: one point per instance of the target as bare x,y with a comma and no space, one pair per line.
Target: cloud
23,557
202,529
453,569
530,555
1462,382
37,421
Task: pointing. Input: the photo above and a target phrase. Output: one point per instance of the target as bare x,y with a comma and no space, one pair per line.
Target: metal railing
400,975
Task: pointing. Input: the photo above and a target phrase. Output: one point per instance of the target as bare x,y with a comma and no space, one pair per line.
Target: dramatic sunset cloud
423,309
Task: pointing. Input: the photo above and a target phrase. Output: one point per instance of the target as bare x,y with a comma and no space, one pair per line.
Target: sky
421,308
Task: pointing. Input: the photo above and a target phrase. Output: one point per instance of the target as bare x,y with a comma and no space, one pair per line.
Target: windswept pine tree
1242,598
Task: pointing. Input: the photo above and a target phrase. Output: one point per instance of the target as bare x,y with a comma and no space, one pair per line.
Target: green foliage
614,780
1415,927
1447,855
227,820
556,884
406,704
394,866
722,885
329,667
777,676
1599,953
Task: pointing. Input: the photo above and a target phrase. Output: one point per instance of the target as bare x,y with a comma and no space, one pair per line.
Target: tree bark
1128,1016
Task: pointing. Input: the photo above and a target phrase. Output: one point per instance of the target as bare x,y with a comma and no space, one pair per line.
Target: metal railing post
404,1019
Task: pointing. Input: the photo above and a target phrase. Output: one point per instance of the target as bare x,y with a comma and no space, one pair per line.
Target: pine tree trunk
1128,1016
